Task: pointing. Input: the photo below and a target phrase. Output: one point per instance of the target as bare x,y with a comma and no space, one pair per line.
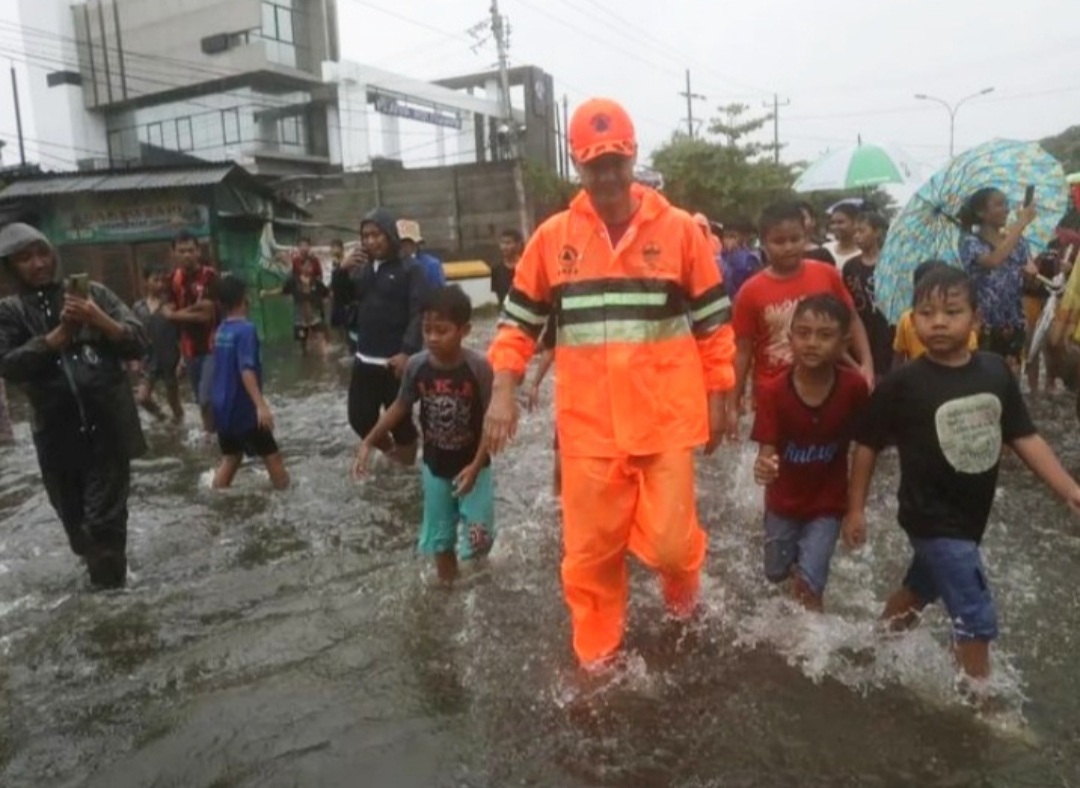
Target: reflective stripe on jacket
643,329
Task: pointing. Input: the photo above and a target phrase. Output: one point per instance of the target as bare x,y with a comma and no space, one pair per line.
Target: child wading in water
163,349
309,295
244,422
767,301
803,424
948,413
453,386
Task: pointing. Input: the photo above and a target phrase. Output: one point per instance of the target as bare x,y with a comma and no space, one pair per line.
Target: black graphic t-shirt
452,407
859,280
949,424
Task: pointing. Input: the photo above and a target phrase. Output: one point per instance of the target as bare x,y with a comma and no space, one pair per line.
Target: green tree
1065,147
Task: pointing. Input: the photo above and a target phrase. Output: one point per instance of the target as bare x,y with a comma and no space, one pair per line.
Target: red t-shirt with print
766,304
812,443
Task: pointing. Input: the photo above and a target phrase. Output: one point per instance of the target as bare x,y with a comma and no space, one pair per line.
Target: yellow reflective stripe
614,299
633,331
522,314
710,309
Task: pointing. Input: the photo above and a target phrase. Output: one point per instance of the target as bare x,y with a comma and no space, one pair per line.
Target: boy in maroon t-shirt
804,424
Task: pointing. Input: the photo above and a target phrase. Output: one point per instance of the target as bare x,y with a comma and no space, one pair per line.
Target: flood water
294,639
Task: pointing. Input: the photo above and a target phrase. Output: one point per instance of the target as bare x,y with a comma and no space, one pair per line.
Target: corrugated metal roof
128,181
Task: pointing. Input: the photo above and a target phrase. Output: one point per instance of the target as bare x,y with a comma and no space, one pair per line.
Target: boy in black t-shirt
949,413
453,387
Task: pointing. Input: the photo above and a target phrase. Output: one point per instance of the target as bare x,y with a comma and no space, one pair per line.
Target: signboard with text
127,220
391,105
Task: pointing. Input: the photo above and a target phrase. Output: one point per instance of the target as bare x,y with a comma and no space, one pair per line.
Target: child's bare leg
226,472
902,610
804,594
275,466
172,396
973,657
446,566
207,418
558,475
144,395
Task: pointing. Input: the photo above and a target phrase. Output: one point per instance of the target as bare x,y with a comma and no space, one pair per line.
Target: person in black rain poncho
67,353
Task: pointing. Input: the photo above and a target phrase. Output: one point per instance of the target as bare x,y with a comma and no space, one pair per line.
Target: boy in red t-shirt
804,424
767,301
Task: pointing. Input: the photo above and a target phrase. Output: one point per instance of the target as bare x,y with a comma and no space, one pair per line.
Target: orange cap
601,126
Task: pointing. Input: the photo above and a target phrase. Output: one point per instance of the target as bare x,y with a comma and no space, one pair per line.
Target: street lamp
953,109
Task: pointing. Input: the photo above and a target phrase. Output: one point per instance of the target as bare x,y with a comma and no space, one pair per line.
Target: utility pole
499,30
776,123
689,95
566,134
18,116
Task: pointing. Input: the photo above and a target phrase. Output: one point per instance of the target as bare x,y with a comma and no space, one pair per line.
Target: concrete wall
461,209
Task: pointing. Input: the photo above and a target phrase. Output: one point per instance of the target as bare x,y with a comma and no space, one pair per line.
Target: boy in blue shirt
453,386
243,419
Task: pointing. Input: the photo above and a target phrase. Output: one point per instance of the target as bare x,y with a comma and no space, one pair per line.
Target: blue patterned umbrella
928,228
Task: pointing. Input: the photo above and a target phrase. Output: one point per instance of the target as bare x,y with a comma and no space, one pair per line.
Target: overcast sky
847,68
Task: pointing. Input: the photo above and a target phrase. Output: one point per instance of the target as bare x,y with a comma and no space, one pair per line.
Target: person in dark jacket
388,296
67,353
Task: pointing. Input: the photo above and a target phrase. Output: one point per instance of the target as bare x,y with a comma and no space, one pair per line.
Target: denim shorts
445,513
952,570
201,374
805,546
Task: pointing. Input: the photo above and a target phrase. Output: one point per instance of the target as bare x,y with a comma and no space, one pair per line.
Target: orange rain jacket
643,329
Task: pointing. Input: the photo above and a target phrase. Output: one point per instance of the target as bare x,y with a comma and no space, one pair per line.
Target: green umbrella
857,167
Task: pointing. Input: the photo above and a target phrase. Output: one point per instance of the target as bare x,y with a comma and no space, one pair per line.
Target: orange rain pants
611,505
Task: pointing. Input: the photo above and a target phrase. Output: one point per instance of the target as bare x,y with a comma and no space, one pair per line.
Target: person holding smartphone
65,344
996,257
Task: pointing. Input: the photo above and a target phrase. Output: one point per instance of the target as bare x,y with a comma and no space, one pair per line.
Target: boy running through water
767,302
163,348
948,413
453,386
243,419
803,424
309,295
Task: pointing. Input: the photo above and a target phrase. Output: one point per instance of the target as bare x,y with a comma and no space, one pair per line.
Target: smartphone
78,285
1029,196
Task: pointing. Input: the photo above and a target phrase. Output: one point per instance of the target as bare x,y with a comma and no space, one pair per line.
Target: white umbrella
858,167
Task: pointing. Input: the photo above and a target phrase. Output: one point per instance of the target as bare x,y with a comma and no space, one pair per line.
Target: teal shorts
444,512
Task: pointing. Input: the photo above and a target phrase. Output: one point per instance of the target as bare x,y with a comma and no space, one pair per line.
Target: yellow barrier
467,269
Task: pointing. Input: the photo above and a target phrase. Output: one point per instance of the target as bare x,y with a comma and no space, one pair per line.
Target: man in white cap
412,246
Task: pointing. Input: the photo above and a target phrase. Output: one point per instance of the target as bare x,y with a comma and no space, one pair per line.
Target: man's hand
264,417
500,423
59,337
719,408
82,311
360,463
356,258
533,397
466,480
854,530
766,469
397,364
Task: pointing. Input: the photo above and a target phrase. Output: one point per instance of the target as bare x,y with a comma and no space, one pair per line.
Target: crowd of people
661,328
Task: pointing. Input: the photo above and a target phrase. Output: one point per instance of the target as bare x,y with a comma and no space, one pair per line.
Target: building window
230,125
290,130
154,135
184,137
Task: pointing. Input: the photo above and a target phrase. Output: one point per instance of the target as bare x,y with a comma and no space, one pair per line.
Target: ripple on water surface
294,639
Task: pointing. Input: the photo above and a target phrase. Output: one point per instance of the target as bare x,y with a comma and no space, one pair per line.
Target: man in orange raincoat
644,374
